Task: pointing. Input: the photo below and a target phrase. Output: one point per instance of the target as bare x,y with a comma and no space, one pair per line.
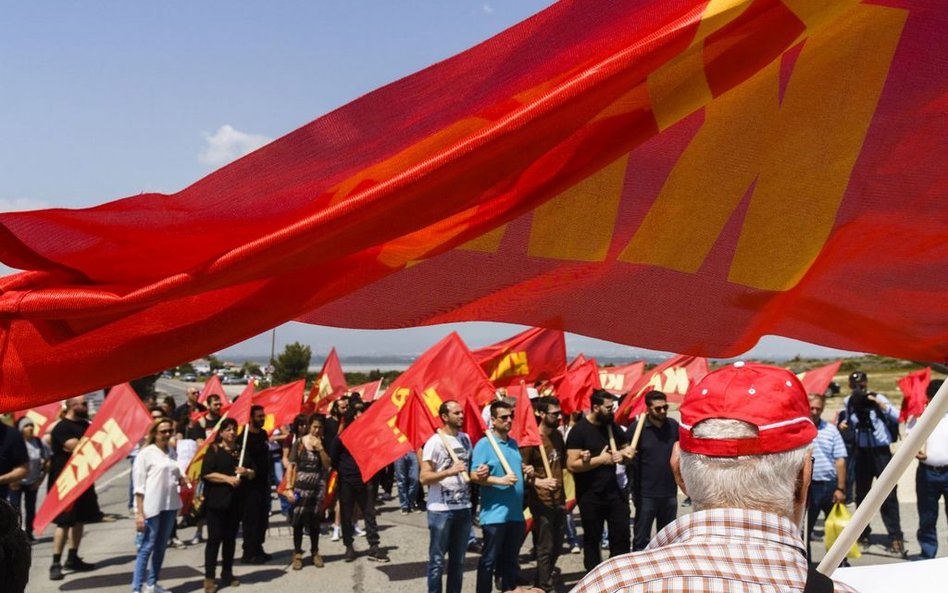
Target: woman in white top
156,477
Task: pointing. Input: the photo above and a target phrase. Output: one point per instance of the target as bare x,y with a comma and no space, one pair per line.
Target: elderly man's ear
675,462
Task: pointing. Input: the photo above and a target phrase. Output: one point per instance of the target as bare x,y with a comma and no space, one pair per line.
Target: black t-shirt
345,465
651,469
12,452
218,496
258,451
64,430
600,481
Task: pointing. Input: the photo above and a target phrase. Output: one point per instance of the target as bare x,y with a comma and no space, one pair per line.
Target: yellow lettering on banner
612,381
399,435
109,438
577,224
66,481
432,400
513,364
797,154
399,397
37,418
676,381
85,459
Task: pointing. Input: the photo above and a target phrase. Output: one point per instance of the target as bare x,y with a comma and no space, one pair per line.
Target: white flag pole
890,476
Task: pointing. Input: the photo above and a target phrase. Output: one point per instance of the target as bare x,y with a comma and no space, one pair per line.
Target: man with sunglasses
655,492
501,517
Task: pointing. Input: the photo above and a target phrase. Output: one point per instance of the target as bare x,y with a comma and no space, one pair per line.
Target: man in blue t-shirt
501,515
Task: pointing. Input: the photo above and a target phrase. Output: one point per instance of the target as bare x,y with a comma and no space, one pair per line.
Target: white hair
760,482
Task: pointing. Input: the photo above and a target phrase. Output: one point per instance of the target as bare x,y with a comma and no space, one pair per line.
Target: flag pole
454,456
546,462
638,430
890,476
243,449
500,455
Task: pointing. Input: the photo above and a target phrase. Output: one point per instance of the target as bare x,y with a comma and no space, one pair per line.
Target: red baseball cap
770,398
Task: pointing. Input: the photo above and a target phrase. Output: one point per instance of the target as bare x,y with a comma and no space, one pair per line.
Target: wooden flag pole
612,439
243,449
546,462
926,424
638,431
500,455
454,456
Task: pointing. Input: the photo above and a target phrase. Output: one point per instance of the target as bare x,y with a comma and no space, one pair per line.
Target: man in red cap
743,457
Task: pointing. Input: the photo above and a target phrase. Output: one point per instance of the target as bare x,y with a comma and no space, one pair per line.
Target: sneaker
350,555
575,549
604,544
56,572
864,543
359,531
336,533
897,548
229,580
196,540
177,544
79,565
156,588
405,511
377,554
475,548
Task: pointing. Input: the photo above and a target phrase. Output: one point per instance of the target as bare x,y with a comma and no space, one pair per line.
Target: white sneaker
154,589
359,531
336,533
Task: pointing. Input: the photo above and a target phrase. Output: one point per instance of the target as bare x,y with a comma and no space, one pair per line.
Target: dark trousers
820,500
256,520
648,510
28,495
549,525
594,511
221,536
500,555
931,486
870,461
362,496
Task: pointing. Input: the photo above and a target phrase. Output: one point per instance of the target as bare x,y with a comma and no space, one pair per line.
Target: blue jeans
449,535
154,543
930,487
501,549
820,501
406,476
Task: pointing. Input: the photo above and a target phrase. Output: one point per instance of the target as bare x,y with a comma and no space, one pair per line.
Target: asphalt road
110,545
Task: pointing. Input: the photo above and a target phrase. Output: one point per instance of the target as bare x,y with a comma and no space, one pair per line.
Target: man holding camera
875,426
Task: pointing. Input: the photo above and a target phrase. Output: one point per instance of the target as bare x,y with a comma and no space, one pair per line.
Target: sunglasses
505,417
660,408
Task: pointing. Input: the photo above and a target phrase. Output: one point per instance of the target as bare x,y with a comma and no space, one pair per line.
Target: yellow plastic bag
836,521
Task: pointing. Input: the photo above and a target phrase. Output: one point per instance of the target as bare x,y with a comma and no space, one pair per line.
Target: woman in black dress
306,489
223,500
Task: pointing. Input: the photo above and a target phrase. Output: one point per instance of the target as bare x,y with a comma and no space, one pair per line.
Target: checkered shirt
712,551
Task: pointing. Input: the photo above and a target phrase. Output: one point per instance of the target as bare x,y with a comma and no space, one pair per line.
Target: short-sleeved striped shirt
828,446
712,551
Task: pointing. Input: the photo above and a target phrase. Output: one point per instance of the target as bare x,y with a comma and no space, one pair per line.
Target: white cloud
228,144
487,8
19,204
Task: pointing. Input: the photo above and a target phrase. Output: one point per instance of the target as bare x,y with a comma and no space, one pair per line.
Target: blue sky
102,100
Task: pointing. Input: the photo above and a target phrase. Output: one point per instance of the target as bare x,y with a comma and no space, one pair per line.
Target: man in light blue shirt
828,484
501,515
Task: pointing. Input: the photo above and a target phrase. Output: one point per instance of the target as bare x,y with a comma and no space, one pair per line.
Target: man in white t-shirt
931,480
449,497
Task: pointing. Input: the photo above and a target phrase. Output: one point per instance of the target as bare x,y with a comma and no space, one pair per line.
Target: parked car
189,377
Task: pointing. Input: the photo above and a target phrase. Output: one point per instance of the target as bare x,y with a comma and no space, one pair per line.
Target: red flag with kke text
536,354
329,386
620,379
239,410
817,380
446,371
42,416
213,386
574,387
282,404
913,386
665,173
368,391
121,421
672,377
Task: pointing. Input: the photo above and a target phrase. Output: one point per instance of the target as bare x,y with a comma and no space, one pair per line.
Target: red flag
329,386
818,379
534,355
574,387
524,429
444,372
214,386
239,410
620,379
282,404
42,416
417,421
368,391
473,421
782,157
914,400
672,377
120,423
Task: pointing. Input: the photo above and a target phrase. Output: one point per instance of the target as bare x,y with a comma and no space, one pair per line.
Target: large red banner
121,421
536,354
368,391
673,378
446,371
620,379
42,416
709,175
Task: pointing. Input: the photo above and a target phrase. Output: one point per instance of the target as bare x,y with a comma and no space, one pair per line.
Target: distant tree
292,364
185,368
215,363
250,368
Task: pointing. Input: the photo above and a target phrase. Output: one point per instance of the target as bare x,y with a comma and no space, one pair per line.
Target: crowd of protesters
459,485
